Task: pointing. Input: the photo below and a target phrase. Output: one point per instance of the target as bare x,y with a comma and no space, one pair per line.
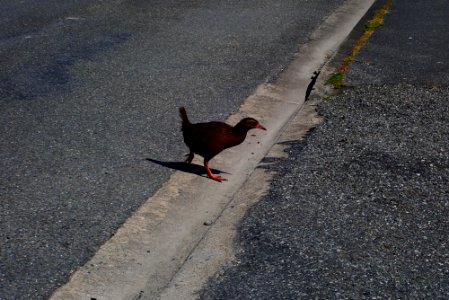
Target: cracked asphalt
359,209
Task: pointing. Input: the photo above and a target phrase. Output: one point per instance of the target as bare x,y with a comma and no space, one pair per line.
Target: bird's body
209,139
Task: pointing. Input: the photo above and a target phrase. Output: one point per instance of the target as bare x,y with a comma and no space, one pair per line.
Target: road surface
89,92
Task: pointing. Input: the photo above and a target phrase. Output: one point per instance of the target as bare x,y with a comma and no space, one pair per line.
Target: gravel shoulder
369,219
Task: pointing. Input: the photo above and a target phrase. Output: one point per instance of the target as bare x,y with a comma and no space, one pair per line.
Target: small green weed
373,24
336,80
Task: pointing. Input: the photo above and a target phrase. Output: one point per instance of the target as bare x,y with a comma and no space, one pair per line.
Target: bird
210,138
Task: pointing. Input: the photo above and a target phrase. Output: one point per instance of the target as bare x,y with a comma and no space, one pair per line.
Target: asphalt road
89,91
359,210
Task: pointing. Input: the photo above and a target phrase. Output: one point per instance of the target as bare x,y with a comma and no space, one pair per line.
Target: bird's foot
212,176
218,178
189,158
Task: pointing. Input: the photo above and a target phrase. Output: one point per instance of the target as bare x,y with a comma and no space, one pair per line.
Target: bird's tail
184,118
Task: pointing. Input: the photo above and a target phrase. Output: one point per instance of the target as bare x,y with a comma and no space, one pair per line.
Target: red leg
189,157
212,176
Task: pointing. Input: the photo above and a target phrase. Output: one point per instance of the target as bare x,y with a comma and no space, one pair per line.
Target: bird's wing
209,139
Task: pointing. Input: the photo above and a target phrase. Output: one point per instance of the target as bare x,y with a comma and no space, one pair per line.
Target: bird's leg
189,157
212,176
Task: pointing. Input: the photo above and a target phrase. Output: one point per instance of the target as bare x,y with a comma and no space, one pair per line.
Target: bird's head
249,123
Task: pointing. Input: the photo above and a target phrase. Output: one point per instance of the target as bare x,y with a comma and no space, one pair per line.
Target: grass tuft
337,79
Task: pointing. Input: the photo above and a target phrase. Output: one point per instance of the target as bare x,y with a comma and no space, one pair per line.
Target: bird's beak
260,127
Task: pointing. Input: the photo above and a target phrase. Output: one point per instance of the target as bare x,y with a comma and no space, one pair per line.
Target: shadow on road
184,167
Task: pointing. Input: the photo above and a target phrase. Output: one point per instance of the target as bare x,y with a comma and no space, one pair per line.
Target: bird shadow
184,167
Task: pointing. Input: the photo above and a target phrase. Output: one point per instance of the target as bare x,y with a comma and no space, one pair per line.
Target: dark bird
209,139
